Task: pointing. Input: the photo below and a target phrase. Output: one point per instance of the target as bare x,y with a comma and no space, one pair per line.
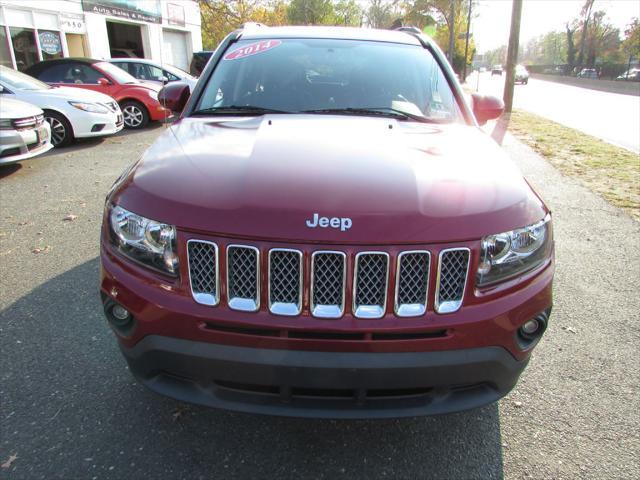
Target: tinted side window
54,73
81,73
152,73
76,73
170,76
124,66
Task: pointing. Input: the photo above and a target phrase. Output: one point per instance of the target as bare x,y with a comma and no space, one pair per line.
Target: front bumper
158,112
304,366
323,384
18,145
97,124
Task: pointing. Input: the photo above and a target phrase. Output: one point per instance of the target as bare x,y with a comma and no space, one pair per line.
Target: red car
326,232
138,100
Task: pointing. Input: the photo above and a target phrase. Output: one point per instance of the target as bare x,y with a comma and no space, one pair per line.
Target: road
612,117
70,409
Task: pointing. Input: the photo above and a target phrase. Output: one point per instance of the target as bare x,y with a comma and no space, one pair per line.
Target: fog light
530,327
120,312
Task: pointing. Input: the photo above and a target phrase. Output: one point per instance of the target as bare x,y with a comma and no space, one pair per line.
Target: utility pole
466,44
452,33
512,55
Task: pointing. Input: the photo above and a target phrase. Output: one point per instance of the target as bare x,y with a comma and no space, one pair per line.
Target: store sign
175,14
72,24
50,43
139,10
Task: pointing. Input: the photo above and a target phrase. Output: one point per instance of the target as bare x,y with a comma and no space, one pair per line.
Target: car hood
264,177
148,84
70,94
11,108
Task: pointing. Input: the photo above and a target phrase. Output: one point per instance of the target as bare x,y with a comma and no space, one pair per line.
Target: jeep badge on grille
343,223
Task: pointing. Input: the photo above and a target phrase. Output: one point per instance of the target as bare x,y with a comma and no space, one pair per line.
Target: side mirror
164,80
1,89
103,81
486,107
174,96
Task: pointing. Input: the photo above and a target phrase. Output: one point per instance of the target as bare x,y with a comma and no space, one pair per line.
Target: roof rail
248,25
409,29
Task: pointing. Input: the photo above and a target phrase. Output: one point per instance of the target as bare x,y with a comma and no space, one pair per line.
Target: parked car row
79,98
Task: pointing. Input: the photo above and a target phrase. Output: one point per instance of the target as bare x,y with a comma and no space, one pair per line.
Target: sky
491,27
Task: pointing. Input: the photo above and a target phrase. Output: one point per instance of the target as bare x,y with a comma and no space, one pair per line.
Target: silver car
150,71
23,131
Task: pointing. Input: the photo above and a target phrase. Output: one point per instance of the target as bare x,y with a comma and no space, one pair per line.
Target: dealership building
165,31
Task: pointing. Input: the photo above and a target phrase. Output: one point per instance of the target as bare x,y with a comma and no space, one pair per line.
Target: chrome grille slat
328,284
370,284
243,278
26,122
412,281
285,281
453,268
203,271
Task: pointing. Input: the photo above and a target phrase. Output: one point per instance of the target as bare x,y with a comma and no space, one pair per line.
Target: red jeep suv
325,231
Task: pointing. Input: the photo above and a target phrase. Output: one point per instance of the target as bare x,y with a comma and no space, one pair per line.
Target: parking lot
71,410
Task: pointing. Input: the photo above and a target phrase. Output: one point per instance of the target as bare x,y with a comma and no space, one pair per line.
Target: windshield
119,75
178,72
15,80
297,75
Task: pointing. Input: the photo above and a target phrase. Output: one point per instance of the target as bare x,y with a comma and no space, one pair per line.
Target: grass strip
611,172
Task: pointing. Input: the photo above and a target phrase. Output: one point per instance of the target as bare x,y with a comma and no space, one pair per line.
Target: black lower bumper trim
323,384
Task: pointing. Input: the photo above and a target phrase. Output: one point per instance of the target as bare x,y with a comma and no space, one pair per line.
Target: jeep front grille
327,284
367,274
370,284
412,281
243,278
203,271
453,267
285,281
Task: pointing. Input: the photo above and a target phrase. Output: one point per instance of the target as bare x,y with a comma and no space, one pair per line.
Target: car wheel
135,114
61,131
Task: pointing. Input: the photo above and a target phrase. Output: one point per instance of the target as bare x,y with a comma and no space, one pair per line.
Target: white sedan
71,112
23,131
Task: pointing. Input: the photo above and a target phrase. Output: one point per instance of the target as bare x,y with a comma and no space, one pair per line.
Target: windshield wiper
378,111
235,109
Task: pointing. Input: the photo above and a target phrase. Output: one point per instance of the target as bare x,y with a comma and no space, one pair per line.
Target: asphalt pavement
70,409
612,117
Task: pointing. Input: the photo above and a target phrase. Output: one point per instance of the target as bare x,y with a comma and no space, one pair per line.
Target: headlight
146,241
153,94
89,107
511,253
5,124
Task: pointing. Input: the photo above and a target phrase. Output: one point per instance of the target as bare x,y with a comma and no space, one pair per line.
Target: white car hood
69,94
11,108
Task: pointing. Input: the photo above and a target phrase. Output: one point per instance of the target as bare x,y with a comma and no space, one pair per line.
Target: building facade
166,31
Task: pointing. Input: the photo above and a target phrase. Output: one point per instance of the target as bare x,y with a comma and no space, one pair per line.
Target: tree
547,49
348,13
220,17
379,13
586,16
311,12
631,44
497,56
571,47
421,13
603,41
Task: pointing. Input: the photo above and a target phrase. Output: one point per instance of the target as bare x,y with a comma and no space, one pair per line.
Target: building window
50,44
24,47
5,51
